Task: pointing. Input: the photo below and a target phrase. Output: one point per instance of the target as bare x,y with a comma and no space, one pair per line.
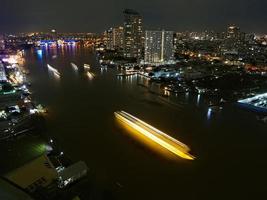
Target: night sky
98,15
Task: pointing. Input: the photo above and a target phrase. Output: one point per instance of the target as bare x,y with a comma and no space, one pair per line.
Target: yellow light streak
155,135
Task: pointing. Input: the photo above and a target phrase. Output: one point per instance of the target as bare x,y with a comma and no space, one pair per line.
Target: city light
11,59
86,66
205,87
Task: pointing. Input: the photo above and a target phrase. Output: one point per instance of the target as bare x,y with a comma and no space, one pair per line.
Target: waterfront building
159,48
256,103
133,44
30,179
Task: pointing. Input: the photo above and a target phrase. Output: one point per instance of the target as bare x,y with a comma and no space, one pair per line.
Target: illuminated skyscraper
2,43
115,37
133,44
118,37
159,47
53,34
233,32
109,39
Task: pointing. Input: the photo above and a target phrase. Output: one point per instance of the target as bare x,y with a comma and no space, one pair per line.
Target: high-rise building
118,37
53,34
159,47
133,43
104,39
109,39
115,37
233,32
2,42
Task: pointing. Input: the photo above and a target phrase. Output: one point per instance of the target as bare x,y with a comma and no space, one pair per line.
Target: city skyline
126,100
28,16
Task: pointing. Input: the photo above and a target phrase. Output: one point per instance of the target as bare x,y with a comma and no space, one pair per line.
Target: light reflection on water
198,99
209,114
40,54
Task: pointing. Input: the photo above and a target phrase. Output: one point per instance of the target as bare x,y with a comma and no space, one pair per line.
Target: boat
126,74
162,139
74,66
55,71
215,108
86,66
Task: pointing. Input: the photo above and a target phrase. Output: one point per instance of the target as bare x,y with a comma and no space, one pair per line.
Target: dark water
230,146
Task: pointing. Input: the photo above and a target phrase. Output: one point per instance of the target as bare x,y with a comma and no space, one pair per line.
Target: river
230,146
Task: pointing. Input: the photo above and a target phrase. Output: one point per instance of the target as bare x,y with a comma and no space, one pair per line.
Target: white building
159,48
3,77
